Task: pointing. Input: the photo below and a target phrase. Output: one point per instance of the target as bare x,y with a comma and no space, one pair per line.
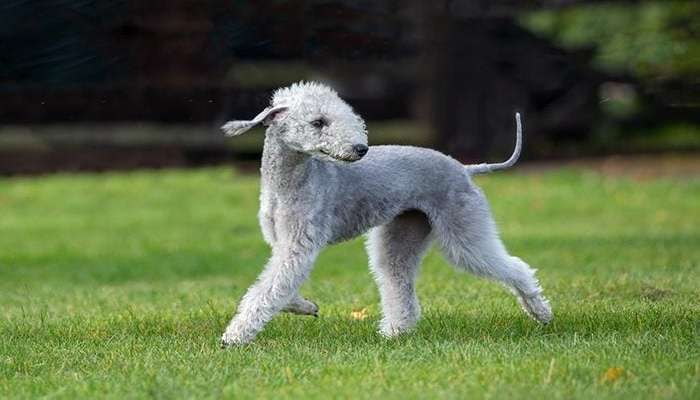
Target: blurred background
121,84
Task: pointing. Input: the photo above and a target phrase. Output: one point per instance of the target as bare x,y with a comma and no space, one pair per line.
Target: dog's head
313,119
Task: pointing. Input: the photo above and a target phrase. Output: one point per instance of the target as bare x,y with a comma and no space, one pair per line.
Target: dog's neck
282,168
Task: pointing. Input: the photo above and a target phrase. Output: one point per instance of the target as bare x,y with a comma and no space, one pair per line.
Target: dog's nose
360,149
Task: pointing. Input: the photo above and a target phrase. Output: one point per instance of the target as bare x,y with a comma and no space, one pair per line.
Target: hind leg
395,252
469,239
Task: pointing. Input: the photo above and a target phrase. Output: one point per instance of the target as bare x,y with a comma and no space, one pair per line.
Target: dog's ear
272,114
235,128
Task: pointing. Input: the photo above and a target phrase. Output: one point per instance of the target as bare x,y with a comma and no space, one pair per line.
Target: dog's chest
282,216
277,217
266,216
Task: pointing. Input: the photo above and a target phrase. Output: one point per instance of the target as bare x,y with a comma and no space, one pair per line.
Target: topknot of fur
301,92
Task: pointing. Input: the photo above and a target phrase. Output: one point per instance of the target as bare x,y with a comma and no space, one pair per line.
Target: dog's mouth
341,158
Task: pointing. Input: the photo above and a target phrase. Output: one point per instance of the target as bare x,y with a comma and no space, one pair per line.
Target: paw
232,338
392,330
537,307
230,341
225,343
302,306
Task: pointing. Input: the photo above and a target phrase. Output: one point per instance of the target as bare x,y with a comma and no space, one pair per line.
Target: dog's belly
354,219
387,182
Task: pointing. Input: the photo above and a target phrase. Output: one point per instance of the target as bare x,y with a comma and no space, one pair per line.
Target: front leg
278,284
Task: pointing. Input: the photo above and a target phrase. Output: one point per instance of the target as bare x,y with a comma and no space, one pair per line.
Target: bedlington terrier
322,184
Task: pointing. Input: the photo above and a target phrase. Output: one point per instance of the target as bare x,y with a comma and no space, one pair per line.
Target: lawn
119,285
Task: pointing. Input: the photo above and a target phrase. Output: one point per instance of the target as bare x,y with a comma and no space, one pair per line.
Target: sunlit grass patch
119,285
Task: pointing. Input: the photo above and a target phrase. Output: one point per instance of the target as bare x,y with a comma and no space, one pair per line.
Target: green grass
119,285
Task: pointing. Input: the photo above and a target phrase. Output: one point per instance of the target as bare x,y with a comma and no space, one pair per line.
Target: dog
322,184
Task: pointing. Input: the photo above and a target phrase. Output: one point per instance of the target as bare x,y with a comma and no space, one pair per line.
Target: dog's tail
486,168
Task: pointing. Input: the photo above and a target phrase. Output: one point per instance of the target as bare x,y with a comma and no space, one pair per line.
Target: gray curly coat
319,188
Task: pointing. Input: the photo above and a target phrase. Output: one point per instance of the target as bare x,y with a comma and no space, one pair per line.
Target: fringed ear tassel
235,128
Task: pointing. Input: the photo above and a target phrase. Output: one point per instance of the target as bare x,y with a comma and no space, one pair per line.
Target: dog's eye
318,123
